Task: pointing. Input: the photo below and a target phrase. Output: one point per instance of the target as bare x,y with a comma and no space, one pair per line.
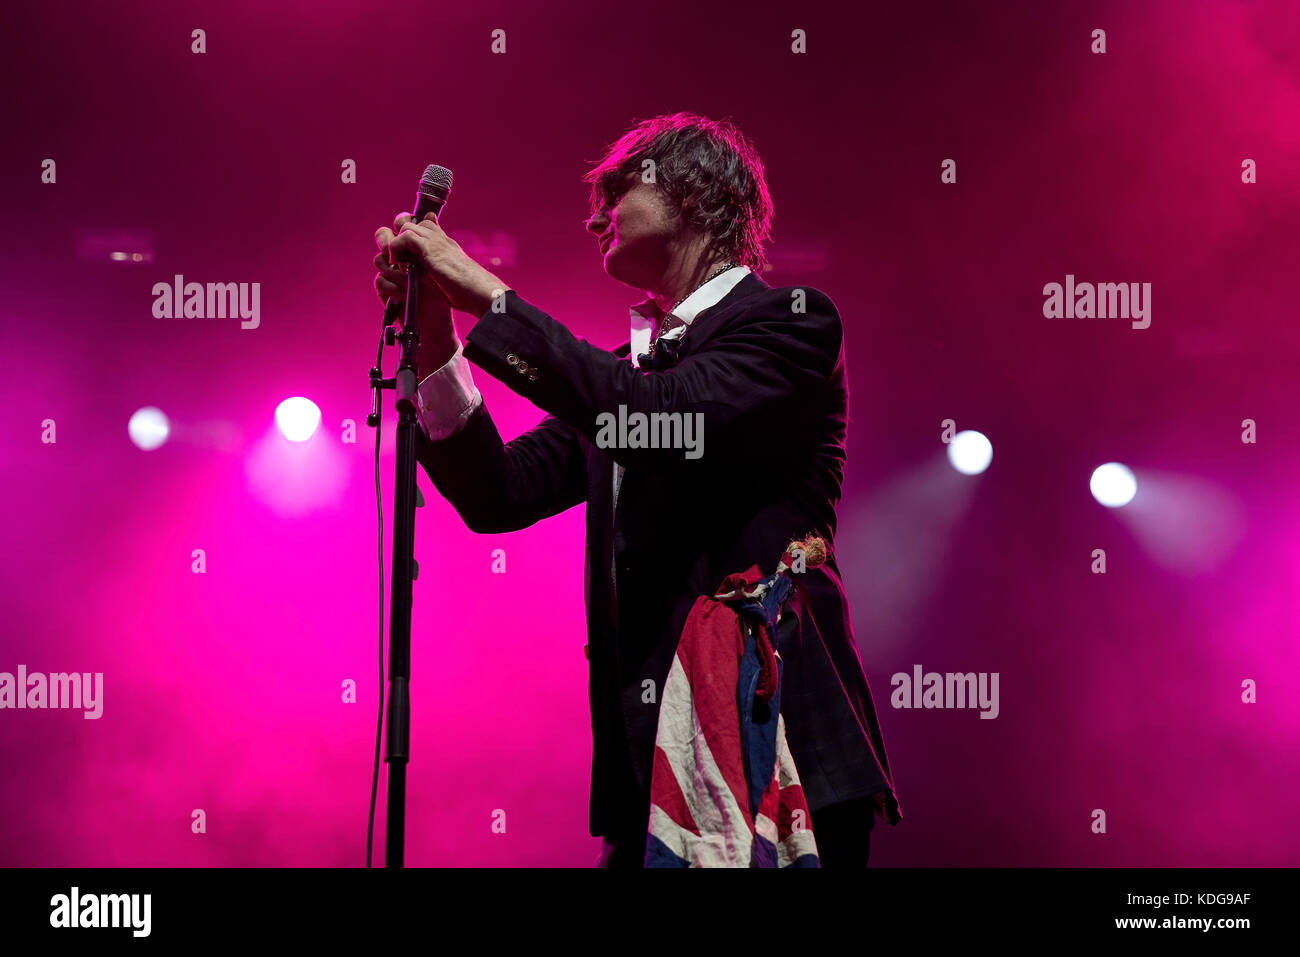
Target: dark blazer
769,378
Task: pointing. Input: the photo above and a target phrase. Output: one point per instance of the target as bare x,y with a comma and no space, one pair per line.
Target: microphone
435,185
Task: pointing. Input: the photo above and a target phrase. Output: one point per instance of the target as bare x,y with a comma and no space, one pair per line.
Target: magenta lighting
297,418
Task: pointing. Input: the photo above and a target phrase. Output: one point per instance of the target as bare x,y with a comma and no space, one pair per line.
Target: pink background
222,690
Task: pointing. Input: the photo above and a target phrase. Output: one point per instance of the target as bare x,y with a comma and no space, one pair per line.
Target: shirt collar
708,295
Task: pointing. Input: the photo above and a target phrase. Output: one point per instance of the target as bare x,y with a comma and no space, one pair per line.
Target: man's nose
597,223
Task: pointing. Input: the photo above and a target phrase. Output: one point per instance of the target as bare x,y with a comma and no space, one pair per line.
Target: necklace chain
723,268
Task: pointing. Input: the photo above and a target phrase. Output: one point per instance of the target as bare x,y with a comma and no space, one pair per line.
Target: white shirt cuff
447,398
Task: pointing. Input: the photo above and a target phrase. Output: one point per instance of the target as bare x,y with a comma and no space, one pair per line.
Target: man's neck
681,282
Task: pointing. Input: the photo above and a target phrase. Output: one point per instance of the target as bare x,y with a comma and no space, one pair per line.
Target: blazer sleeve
501,487
770,355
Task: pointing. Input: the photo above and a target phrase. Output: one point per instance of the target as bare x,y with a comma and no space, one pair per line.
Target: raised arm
501,487
768,356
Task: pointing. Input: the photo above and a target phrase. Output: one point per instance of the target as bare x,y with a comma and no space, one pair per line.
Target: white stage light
970,452
297,418
148,428
1113,485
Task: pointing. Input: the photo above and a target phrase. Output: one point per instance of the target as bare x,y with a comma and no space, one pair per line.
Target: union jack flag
724,790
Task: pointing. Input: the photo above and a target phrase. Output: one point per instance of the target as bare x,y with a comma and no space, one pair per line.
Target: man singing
680,210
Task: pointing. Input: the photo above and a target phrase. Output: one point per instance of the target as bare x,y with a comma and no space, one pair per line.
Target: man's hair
707,168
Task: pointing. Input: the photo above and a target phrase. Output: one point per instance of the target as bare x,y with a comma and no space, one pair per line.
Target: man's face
636,233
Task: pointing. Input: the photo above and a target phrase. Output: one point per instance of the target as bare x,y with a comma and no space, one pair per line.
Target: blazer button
522,368
512,359
533,374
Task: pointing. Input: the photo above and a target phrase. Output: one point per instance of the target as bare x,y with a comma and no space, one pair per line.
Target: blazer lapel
669,352
704,327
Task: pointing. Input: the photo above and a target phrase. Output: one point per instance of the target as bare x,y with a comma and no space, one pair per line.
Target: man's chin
615,269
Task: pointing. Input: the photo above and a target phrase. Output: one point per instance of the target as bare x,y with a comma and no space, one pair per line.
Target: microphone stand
405,497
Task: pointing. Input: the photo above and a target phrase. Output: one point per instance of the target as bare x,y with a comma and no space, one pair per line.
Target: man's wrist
435,349
481,289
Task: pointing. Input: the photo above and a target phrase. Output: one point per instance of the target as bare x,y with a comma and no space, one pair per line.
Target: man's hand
437,331
465,284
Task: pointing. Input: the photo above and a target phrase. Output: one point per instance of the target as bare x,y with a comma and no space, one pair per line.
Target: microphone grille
436,180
